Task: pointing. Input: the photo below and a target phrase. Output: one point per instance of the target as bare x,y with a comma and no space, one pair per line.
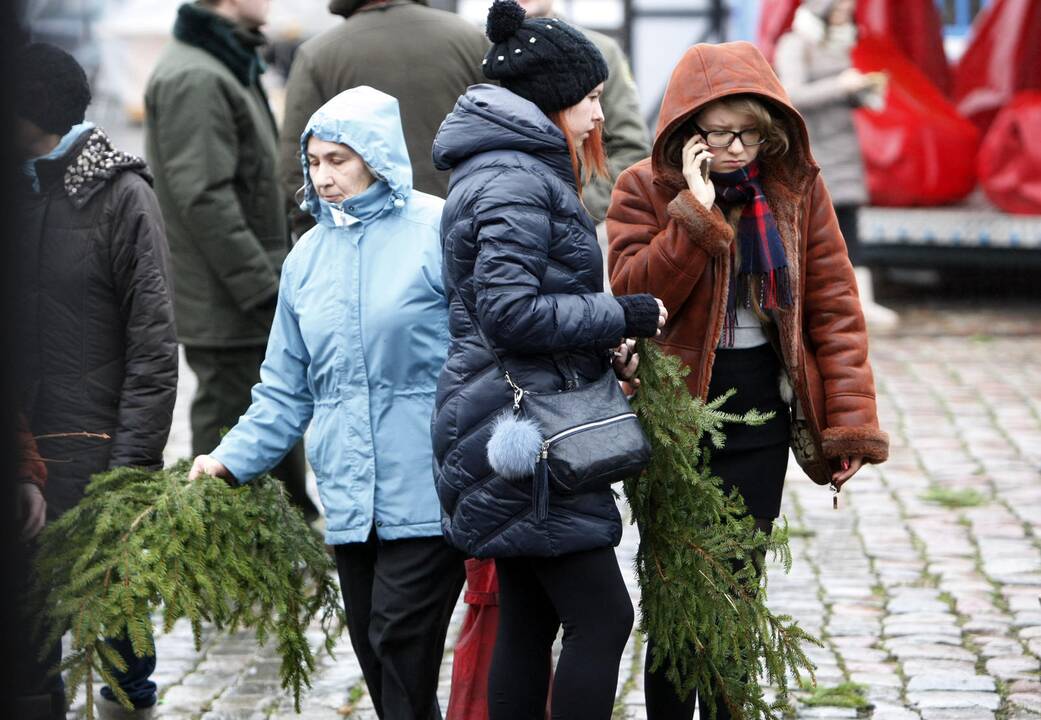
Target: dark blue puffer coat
520,255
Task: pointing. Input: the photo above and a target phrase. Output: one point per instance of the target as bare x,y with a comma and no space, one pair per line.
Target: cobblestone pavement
924,585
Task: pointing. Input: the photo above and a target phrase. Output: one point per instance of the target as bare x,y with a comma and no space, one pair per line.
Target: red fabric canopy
1010,157
1003,58
917,150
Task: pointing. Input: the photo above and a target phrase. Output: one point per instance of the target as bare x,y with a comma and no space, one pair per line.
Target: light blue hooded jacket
359,337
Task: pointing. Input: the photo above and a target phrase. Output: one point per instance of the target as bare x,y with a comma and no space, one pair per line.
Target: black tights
663,702
585,593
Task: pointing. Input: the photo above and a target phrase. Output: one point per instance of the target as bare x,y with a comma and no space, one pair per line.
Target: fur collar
234,46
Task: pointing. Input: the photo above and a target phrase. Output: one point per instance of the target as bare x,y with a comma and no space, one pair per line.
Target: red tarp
1010,157
917,150
1003,58
915,27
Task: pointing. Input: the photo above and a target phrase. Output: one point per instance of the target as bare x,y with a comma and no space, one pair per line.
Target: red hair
594,160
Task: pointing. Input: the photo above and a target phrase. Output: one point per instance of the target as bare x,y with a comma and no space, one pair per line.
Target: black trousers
399,596
41,692
586,594
663,702
226,377
754,461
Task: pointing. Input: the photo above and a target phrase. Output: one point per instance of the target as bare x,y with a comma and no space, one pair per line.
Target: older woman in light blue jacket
359,337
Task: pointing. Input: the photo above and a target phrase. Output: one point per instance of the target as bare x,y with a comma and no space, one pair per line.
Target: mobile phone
705,168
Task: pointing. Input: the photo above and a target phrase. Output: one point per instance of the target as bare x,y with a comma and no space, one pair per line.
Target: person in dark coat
521,260
212,143
97,351
423,56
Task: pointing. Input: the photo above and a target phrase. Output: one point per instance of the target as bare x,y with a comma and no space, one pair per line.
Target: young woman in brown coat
729,223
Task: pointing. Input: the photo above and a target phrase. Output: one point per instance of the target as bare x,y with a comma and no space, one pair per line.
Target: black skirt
754,459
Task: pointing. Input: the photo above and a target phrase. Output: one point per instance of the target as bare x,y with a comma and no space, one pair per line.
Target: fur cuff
707,229
870,443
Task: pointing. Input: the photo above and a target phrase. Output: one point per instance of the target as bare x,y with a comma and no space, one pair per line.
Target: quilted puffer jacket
520,256
93,320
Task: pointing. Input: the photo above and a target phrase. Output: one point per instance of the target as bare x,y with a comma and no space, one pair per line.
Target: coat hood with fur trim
707,73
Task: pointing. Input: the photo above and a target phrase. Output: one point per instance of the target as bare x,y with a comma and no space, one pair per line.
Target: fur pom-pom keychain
514,447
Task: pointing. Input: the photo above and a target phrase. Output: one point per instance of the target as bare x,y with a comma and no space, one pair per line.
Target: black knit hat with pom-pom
542,59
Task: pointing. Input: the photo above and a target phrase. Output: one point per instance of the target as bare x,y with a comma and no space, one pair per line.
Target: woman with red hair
524,277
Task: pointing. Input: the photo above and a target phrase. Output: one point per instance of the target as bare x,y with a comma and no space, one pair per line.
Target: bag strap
518,391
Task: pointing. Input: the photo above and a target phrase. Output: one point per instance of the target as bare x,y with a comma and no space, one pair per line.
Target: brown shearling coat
663,241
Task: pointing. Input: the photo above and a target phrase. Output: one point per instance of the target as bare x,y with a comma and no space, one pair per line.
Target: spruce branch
142,541
701,560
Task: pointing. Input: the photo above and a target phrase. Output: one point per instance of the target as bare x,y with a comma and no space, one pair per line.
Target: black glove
641,314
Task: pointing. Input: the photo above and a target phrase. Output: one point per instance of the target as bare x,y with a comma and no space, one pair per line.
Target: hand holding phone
697,163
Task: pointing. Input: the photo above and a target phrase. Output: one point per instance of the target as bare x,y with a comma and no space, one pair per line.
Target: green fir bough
143,541
701,560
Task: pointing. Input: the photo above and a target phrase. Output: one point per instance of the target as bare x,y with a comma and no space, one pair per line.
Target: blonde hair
767,120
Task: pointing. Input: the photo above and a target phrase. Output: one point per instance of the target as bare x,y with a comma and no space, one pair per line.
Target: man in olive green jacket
211,142
426,58
626,139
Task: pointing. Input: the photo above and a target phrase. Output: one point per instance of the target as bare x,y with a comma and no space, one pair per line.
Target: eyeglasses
725,138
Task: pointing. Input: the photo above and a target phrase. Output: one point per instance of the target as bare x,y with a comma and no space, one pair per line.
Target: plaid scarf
762,252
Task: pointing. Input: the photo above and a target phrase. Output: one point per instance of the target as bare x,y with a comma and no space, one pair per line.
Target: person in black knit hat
523,274
544,60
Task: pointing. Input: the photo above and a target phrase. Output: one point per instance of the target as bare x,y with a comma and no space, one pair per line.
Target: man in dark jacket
211,142
425,58
96,349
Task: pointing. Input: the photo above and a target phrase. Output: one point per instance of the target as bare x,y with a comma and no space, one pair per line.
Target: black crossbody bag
587,437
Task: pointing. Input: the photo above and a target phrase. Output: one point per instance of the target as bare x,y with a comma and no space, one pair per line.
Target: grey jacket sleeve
303,97
198,150
791,61
626,139
139,272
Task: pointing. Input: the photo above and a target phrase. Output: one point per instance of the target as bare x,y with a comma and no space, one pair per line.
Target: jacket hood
346,8
489,118
369,122
709,72
91,163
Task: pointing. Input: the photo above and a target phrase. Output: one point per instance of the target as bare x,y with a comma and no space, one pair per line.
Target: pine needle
701,561
143,541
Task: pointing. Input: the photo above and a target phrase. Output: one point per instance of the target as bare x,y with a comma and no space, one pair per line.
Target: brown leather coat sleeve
838,338
662,253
